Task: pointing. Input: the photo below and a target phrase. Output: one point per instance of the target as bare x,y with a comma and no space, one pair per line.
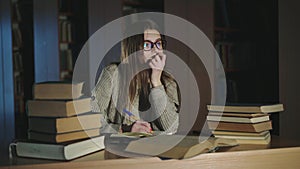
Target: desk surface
280,153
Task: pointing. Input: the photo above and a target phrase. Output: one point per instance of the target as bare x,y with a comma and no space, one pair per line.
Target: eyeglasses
160,44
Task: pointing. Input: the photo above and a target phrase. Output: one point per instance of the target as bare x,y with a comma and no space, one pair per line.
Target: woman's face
152,44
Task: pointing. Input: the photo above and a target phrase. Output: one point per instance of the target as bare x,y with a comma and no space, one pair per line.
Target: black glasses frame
163,42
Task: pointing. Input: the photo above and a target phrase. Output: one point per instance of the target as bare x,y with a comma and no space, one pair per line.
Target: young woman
137,95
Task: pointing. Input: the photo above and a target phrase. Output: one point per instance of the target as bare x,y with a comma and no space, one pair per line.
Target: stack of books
246,124
60,116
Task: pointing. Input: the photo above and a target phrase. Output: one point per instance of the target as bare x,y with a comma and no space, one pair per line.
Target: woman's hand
141,127
157,63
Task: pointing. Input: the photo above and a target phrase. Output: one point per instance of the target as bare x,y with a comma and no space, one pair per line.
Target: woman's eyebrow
158,39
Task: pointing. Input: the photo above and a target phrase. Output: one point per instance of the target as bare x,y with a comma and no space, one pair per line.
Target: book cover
63,137
244,139
238,133
238,119
66,151
244,127
58,108
57,90
64,124
247,108
225,114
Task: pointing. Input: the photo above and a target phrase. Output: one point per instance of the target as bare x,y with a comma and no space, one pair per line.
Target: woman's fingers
144,123
140,129
141,126
157,64
163,57
158,61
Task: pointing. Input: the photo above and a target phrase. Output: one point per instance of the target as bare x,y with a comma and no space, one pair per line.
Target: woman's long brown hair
140,83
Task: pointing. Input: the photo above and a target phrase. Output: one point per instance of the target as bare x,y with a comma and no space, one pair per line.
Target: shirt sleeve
164,104
101,99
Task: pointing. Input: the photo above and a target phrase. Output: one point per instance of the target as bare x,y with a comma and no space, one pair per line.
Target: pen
133,117
130,114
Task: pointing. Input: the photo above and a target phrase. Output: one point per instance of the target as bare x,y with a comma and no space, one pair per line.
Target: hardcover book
247,108
244,127
238,119
66,151
228,114
57,90
238,133
248,139
65,124
58,108
63,137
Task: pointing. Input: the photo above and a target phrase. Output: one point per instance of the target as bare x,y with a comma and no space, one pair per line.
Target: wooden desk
280,154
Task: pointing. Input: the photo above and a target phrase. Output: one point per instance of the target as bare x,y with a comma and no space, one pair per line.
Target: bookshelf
22,51
72,17
135,6
245,36
18,69
138,6
246,41
17,43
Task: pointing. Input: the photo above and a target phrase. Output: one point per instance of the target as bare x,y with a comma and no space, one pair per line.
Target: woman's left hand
157,63
141,127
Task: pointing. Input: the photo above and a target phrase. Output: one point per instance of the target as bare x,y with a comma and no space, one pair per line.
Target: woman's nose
155,49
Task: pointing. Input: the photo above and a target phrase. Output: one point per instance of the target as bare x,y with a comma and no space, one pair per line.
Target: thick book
58,108
64,124
238,133
243,139
247,108
67,151
57,90
225,114
244,127
238,119
176,146
63,137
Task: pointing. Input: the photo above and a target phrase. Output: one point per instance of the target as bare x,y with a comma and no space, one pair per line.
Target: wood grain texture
269,158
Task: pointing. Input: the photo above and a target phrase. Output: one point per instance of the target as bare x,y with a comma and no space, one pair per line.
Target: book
189,146
63,137
244,127
247,108
238,133
243,139
238,119
64,124
57,90
58,108
17,35
225,114
66,151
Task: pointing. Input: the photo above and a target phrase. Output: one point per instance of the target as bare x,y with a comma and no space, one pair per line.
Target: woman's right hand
157,63
141,127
